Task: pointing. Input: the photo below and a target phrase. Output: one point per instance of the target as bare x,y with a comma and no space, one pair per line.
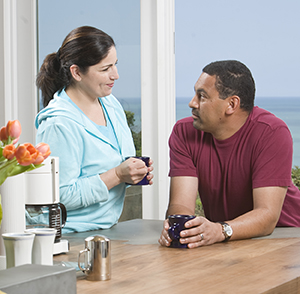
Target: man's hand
165,239
199,232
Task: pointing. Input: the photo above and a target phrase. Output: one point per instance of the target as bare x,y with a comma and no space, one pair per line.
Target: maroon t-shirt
258,155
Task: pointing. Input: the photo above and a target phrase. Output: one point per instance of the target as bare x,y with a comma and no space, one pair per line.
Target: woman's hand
133,170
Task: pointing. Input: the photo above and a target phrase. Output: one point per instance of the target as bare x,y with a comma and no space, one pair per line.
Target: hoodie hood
58,106
62,106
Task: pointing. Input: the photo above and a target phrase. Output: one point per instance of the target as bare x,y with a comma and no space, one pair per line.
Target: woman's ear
75,72
233,104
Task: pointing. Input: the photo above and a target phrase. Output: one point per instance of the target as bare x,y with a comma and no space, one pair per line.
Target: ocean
286,108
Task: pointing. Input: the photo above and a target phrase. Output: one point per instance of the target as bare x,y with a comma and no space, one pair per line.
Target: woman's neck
91,107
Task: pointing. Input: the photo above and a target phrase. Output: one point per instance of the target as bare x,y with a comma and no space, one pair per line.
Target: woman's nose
114,74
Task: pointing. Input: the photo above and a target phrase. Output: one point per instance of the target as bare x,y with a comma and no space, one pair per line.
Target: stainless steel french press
97,264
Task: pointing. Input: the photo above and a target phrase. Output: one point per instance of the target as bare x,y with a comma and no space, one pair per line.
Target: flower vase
13,206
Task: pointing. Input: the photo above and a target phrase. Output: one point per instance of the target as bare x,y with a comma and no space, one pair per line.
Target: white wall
1,67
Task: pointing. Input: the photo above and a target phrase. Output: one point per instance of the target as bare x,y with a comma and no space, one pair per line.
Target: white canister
42,250
18,248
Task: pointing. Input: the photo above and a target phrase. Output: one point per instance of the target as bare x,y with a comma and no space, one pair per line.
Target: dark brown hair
84,46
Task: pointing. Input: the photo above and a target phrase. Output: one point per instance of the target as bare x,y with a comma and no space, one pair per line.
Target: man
237,156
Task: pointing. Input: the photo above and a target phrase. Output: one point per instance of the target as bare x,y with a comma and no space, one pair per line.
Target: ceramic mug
42,250
146,159
177,222
18,248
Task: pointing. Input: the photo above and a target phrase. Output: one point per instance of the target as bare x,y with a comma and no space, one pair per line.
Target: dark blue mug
146,159
177,222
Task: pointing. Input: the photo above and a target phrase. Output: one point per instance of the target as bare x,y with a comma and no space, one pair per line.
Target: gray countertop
141,231
137,231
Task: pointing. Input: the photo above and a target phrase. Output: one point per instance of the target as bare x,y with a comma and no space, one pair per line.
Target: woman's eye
106,69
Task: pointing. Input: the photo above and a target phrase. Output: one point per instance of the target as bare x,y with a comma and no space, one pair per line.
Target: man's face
208,110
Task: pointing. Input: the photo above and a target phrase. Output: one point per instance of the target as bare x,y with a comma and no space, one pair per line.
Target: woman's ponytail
48,79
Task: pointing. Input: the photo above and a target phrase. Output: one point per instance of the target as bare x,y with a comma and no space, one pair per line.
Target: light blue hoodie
84,153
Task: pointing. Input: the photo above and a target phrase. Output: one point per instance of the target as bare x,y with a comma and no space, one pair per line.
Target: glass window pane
118,18
261,34
121,20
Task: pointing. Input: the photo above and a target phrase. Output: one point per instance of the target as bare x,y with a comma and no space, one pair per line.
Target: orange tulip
44,149
9,151
39,159
3,136
16,140
13,129
26,154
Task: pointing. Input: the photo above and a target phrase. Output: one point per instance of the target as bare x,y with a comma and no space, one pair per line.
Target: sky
263,34
118,18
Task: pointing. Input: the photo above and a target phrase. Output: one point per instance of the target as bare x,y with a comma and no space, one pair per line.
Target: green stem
7,164
6,169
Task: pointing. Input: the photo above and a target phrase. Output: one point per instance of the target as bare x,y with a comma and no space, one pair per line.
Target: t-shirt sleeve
273,159
181,146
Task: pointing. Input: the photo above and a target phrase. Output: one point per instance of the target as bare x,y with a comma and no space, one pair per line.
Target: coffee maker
42,201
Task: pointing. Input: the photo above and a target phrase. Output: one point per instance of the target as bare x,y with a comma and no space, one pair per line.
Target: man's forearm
179,209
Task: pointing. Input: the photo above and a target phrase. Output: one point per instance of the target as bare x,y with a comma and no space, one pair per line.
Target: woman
86,127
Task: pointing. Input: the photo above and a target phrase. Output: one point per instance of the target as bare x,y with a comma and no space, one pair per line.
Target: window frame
19,52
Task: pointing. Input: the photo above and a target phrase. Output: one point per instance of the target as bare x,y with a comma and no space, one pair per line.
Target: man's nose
194,102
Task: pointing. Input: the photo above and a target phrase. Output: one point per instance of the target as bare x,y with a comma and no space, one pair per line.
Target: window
261,34
120,19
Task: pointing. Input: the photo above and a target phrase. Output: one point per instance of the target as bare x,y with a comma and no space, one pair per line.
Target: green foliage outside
199,208
135,135
296,176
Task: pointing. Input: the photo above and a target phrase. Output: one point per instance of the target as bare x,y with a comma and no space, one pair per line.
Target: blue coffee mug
176,222
146,159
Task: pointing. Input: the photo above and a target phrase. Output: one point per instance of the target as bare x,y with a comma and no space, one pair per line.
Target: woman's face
99,80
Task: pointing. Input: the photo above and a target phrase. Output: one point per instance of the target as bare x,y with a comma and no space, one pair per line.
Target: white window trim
19,58
158,98
18,51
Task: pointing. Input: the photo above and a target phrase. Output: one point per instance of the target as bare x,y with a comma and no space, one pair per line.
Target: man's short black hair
233,78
